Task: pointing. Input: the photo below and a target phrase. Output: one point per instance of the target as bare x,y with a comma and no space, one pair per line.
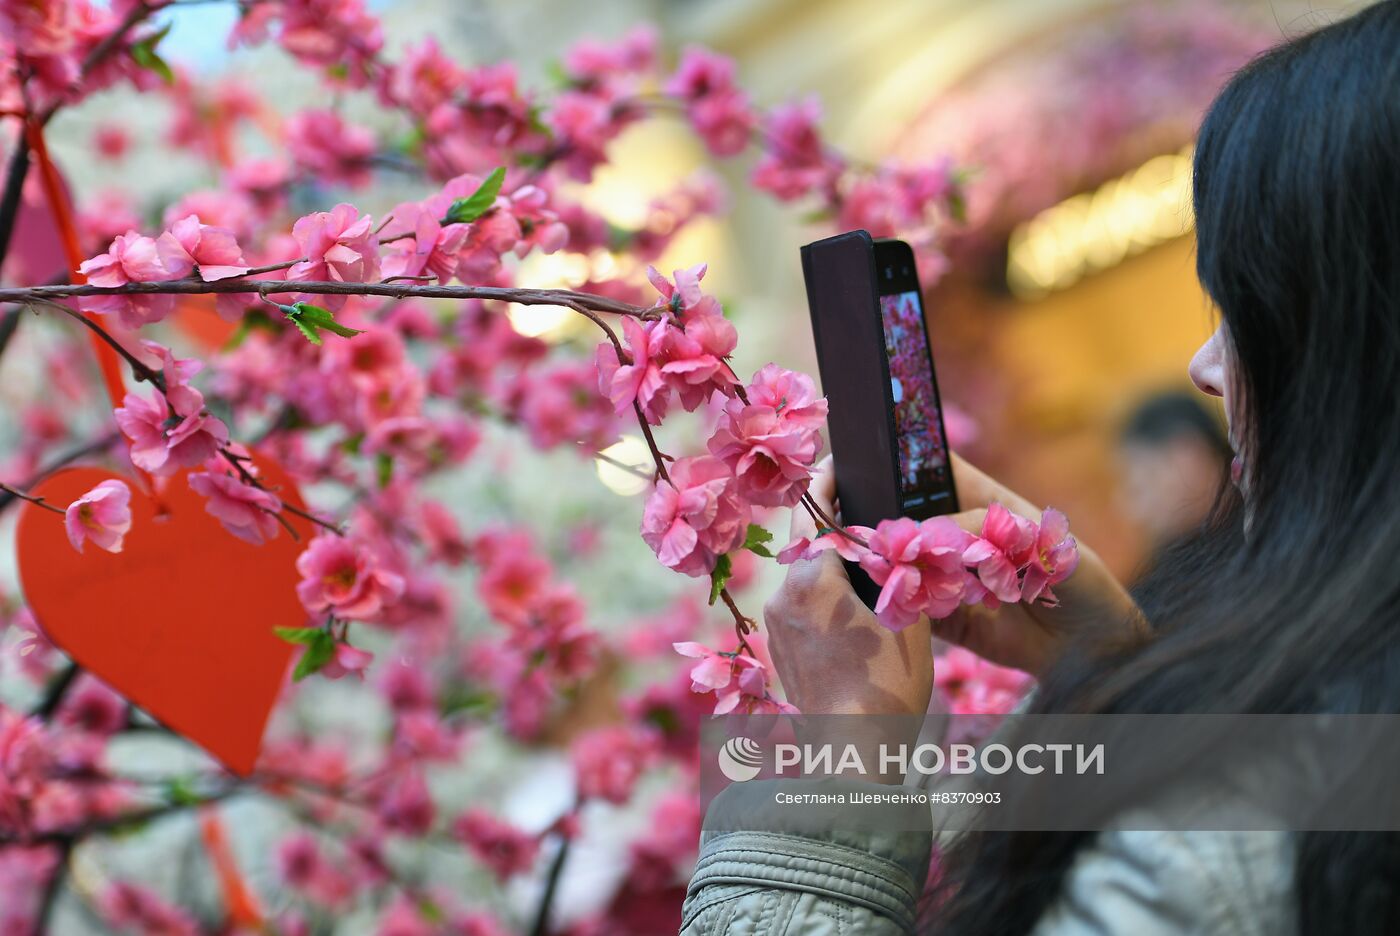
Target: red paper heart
180,621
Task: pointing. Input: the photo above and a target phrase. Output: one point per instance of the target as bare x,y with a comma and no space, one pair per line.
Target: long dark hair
1297,202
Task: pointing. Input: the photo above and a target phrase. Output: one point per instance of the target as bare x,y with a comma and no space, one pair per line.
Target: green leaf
384,469
468,700
554,71
299,635
317,654
310,319
143,53
957,205
180,792
755,540
479,202
722,571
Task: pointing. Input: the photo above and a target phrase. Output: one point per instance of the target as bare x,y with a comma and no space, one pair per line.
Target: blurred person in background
1286,601
1174,455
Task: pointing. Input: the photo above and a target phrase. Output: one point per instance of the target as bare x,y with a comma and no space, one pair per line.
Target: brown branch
568,298
36,501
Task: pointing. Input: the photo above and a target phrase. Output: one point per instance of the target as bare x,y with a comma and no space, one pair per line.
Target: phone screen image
925,475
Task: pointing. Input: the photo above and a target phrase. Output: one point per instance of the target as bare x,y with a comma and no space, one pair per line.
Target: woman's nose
1208,366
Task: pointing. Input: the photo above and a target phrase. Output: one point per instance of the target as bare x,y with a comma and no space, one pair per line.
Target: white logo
740,759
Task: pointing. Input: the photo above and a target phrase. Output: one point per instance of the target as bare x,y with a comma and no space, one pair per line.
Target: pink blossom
637,380
562,405
692,357
339,34
339,245
589,60
695,517
718,109
248,512
423,79
330,149
502,847
1001,552
406,806
92,706
131,258
512,584
25,759
739,681
714,671
441,534
102,515
347,661
795,162
771,442
609,761
162,448
1054,559
229,210
130,907
103,216
972,686
418,244
584,123
111,140
341,577
190,244
920,567
176,374
303,866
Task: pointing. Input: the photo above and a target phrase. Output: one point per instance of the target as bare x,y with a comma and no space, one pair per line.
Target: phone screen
925,474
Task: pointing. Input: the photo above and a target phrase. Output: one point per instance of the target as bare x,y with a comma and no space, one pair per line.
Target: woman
1288,601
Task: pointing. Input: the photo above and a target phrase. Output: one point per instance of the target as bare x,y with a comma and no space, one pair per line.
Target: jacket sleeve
1164,883
753,879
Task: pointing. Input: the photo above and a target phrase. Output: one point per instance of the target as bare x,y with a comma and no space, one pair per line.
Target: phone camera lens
889,272
904,270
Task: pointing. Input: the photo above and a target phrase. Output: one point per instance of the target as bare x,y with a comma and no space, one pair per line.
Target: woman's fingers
976,489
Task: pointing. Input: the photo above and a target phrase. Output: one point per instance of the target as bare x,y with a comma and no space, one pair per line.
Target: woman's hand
1031,637
832,655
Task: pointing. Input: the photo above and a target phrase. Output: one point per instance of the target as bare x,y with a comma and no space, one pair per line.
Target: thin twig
141,371
96,445
36,501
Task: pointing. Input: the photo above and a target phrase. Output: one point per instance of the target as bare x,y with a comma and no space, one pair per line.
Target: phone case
843,297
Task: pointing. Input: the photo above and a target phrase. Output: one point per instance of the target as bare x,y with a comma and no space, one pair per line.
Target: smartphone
885,417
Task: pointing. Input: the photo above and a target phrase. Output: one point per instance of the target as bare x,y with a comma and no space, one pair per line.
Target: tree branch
567,298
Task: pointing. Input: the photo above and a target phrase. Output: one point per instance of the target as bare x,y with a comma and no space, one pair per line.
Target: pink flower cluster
762,451
933,567
547,644
740,681
135,258
597,106
969,685
717,107
329,149
337,35
170,429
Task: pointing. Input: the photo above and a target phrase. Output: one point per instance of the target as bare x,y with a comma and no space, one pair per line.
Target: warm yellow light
541,321
632,451
1098,230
